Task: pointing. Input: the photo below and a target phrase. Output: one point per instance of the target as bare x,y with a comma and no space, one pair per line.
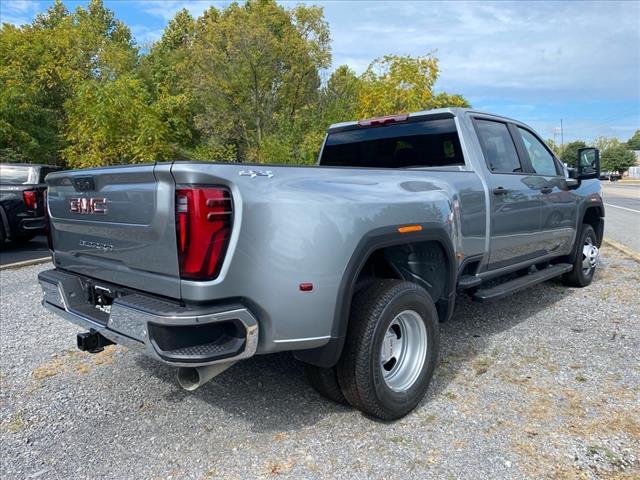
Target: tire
325,382
23,238
586,255
390,317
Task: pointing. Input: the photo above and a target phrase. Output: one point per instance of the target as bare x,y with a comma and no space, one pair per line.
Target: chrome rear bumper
166,331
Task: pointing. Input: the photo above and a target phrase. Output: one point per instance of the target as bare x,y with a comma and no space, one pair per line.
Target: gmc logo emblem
88,206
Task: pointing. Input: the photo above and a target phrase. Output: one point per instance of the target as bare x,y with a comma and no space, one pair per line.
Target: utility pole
561,134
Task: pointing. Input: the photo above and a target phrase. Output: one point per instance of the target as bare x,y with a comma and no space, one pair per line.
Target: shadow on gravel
270,392
468,334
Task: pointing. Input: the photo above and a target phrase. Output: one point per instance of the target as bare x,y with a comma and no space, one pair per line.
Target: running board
512,286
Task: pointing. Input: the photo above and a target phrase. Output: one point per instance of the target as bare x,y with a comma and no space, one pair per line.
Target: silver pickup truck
350,264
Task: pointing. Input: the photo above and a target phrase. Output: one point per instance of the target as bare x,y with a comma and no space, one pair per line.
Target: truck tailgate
117,224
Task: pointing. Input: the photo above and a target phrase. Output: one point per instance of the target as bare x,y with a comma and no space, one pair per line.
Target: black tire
360,371
325,382
578,277
23,238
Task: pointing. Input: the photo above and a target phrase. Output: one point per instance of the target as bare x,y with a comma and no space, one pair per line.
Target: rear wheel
391,349
325,381
23,238
586,261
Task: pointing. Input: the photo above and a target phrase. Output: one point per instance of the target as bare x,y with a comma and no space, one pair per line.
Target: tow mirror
588,163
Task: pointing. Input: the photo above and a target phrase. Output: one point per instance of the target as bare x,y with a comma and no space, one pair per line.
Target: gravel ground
545,384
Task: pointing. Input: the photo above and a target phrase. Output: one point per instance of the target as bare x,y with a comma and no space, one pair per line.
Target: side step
512,286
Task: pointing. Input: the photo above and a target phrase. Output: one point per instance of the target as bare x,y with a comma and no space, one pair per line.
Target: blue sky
534,61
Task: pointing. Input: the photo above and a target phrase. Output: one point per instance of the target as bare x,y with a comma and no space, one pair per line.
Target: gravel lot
545,384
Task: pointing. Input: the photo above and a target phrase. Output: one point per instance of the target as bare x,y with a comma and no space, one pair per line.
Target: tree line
615,156
248,82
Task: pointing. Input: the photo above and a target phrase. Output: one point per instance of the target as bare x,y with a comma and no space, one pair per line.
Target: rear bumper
32,225
168,332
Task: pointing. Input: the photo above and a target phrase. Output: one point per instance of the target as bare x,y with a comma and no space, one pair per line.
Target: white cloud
145,35
167,9
18,12
547,49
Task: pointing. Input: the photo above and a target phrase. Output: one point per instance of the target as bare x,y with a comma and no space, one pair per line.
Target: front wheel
586,261
391,349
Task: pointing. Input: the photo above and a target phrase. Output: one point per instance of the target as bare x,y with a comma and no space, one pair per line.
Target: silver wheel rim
590,255
403,351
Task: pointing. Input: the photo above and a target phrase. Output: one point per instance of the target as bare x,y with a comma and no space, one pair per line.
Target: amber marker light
410,228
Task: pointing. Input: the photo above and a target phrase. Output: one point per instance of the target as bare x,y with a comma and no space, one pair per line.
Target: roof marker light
379,121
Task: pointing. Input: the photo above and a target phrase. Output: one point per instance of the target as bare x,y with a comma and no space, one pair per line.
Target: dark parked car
22,206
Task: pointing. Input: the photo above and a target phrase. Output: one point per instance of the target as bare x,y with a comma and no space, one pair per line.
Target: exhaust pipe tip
188,378
191,378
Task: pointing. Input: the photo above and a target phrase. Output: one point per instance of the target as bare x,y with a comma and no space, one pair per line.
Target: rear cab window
410,144
16,175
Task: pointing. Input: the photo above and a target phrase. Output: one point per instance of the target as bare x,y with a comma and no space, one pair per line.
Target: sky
538,62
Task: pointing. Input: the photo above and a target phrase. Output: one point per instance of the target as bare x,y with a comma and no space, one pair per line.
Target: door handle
500,191
546,190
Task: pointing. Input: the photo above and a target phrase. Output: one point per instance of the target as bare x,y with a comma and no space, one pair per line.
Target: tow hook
92,342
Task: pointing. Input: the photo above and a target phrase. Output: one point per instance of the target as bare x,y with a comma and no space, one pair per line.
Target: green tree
43,65
115,122
397,84
167,73
569,153
255,74
617,158
634,142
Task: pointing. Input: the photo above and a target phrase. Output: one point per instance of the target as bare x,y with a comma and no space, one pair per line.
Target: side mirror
588,163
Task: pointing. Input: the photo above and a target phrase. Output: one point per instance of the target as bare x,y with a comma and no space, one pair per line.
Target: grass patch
14,425
481,365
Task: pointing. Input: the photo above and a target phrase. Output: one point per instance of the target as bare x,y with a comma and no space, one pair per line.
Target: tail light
30,199
204,216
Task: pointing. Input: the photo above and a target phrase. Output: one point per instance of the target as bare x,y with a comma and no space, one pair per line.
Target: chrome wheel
590,255
403,351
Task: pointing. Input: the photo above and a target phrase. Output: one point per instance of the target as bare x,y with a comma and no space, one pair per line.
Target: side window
541,160
498,147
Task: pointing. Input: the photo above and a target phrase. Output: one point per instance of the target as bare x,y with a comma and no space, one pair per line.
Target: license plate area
102,299
98,299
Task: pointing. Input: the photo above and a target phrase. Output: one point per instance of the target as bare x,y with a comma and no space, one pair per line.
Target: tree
167,73
634,142
569,153
397,84
115,122
617,158
43,65
255,73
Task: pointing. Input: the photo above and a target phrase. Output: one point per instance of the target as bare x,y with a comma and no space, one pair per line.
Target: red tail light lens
30,199
204,216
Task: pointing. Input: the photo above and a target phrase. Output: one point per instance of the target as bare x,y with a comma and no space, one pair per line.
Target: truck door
558,218
514,196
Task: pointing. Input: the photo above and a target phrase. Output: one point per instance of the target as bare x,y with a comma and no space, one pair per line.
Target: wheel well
425,263
593,216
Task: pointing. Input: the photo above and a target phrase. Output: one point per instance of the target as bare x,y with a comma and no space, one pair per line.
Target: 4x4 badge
256,173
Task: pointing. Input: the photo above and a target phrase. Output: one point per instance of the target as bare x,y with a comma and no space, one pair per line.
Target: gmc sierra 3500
350,264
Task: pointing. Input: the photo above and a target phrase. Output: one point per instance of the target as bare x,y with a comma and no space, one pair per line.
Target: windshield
15,174
427,143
